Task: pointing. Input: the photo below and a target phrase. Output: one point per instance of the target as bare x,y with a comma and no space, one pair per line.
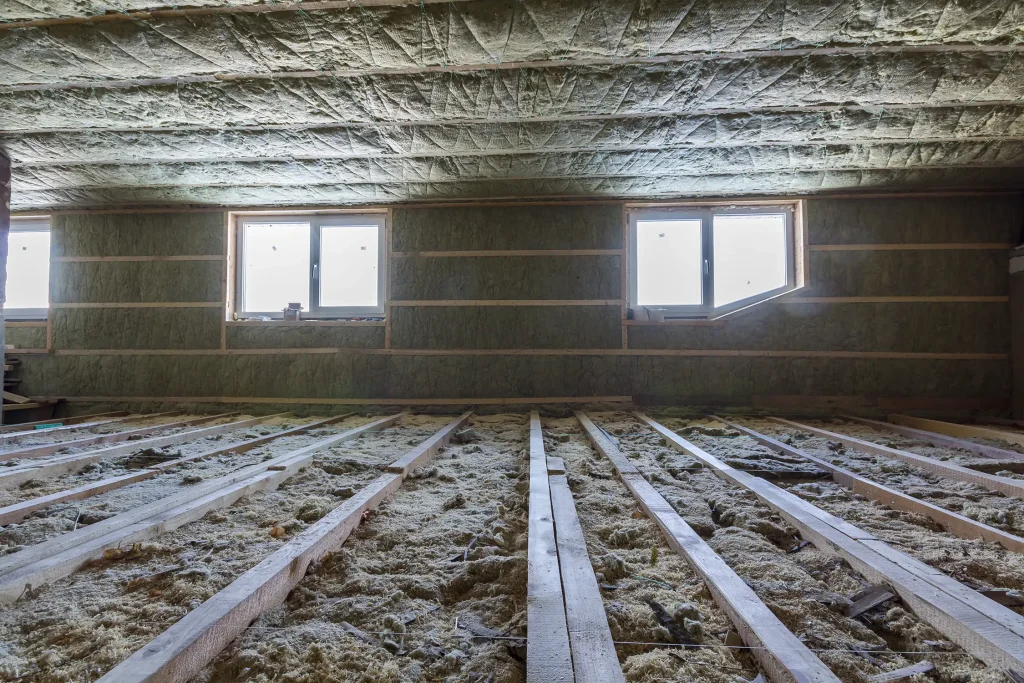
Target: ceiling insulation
236,103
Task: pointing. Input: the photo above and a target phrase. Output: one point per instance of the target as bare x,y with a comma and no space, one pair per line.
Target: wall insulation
792,349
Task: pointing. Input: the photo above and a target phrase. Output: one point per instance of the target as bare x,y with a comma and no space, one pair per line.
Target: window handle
314,271
707,267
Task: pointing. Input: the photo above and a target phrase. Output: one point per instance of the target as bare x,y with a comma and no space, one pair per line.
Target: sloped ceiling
145,102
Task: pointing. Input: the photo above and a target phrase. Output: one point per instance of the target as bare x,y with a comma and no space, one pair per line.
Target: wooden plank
16,398
133,259
50,467
593,651
938,439
779,652
507,252
14,436
556,466
510,302
63,420
905,246
955,429
143,304
116,437
548,657
18,511
183,650
950,521
987,630
426,450
891,299
51,560
1004,485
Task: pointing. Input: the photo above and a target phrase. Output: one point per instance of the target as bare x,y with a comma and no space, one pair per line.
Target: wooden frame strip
52,467
143,304
891,300
593,651
51,560
507,252
488,401
64,421
952,522
14,436
781,655
116,437
304,323
548,656
954,246
938,439
133,259
955,429
184,649
987,630
24,323
18,511
1004,485
509,302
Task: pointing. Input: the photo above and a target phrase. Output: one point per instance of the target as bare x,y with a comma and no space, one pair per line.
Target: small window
704,262
28,269
333,266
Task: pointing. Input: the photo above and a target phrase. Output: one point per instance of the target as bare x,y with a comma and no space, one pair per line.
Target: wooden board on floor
63,420
418,456
54,559
938,439
955,429
15,476
548,657
987,630
116,437
18,511
593,650
60,427
779,652
954,523
183,650
1004,485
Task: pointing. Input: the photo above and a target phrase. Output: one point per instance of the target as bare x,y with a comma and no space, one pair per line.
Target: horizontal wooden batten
145,304
890,299
508,252
510,302
992,246
305,323
25,323
124,259
689,353
359,401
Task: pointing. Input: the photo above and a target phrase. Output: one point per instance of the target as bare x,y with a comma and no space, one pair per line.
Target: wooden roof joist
63,421
779,652
992,633
50,467
183,650
548,165
992,482
939,439
51,560
12,436
775,183
954,429
18,511
952,522
731,85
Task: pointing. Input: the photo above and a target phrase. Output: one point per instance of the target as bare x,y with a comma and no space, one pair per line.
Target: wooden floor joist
1004,485
548,657
956,429
51,467
58,428
938,439
116,437
183,650
43,563
954,523
63,421
992,633
782,655
18,511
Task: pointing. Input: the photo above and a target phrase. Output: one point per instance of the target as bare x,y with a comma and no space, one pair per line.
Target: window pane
348,265
668,262
28,270
750,255
276,266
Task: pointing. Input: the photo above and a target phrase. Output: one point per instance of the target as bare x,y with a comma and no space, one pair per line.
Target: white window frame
706,214
35,224
316,222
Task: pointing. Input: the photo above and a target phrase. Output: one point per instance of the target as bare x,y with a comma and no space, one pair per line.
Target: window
704,262
332,265
28,269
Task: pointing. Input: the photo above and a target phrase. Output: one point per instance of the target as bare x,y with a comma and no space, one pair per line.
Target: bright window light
750,255
28,270
668,262
348,265
277,268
